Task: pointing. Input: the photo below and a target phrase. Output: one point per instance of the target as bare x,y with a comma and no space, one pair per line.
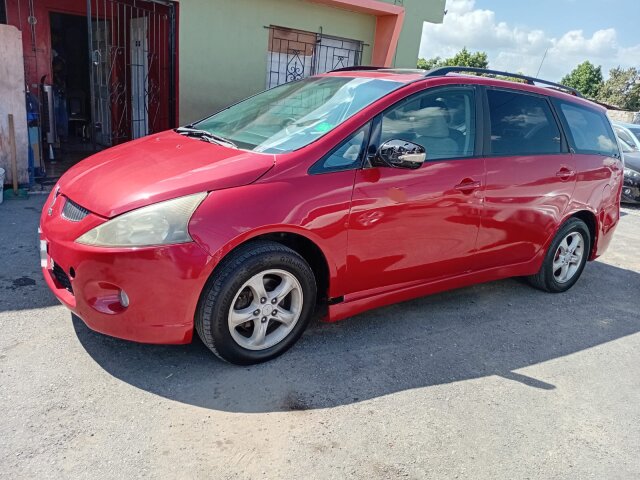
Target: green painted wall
223,43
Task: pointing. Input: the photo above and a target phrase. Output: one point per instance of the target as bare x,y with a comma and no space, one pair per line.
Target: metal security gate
295,54
132,49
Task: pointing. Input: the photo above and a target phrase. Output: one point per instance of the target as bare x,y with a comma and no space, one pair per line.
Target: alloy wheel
568,257
265,309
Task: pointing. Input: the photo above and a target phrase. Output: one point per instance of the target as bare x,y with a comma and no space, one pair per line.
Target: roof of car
407,75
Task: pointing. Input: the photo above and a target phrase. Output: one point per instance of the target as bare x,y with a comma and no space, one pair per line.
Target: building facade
229,50
109,71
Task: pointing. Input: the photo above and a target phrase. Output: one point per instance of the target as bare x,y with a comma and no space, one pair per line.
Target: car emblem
55,197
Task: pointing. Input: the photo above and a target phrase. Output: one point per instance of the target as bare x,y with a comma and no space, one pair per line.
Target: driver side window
441,120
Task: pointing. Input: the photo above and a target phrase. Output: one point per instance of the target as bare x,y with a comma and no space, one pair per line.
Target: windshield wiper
206,136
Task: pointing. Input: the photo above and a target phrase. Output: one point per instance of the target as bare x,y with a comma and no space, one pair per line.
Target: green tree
464,58
429,64
586,78
622,89
511,79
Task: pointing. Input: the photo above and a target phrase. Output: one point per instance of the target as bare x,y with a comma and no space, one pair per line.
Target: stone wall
624,116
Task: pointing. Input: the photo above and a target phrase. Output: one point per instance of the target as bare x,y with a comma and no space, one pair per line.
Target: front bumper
162,283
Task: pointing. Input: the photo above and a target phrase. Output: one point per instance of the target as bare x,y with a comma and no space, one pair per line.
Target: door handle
564,173
467,185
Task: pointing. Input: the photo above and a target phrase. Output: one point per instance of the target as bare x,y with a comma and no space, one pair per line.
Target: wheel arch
308,248
311,253
591,220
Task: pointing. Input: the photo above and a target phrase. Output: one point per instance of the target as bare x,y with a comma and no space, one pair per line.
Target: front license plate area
44,255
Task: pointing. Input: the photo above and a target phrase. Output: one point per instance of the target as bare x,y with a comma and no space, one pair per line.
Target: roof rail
442,71
355,68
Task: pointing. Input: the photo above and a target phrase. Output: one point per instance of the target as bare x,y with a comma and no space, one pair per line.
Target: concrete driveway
493,381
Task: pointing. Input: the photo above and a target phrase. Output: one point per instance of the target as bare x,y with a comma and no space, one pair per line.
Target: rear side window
591,131
522,124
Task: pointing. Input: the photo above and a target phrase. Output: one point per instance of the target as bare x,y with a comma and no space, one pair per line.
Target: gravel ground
494,381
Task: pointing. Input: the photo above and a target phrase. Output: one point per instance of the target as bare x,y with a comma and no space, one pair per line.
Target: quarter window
346,156
442,121
522,124
590,130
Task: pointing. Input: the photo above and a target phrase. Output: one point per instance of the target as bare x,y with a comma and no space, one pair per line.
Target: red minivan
332,195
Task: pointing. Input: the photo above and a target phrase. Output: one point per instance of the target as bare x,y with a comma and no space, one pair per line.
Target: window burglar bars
296,54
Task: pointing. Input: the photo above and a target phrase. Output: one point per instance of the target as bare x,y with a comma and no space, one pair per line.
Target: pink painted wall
388,25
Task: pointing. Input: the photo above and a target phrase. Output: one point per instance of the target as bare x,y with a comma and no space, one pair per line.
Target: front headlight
158,224
631,173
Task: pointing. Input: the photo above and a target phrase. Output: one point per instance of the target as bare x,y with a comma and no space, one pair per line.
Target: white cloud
516,48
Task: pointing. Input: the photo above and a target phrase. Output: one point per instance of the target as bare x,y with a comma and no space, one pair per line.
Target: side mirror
402,154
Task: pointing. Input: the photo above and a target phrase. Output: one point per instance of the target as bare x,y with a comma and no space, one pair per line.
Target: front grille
73,212
62,277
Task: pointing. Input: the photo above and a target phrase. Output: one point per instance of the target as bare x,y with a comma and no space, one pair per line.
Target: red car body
478,220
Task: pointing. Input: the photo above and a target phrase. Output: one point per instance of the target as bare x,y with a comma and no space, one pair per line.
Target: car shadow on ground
490,329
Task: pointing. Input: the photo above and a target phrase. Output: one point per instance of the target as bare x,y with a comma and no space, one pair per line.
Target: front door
414,226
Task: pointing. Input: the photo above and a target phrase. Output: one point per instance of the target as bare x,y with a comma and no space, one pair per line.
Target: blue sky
516,33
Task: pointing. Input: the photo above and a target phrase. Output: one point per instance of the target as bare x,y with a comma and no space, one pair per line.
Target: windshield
293,115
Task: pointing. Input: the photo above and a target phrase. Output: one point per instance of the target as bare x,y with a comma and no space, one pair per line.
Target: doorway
71,89
113,77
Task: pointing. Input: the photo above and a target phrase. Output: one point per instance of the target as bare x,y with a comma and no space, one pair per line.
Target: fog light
124,299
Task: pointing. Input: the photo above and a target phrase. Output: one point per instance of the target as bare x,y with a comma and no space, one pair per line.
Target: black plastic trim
443,71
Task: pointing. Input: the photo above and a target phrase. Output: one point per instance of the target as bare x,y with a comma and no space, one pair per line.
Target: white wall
12,100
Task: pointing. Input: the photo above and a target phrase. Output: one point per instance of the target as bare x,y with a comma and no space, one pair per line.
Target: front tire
565,259
256,304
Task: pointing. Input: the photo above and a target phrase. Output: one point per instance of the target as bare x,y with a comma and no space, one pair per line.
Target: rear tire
565,259
256,304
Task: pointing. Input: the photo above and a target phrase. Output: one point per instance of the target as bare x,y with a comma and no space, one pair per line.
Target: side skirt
360,302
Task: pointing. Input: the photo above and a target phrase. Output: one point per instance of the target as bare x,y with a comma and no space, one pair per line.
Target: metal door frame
166,71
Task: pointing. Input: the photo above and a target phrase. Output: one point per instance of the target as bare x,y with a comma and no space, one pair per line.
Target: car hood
632,160
156,168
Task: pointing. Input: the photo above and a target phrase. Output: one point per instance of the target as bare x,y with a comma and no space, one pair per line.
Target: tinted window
522,124
442,121
624,135
590,130
626,147
635,131
346,156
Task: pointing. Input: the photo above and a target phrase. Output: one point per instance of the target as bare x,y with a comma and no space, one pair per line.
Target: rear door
409,226
530,179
